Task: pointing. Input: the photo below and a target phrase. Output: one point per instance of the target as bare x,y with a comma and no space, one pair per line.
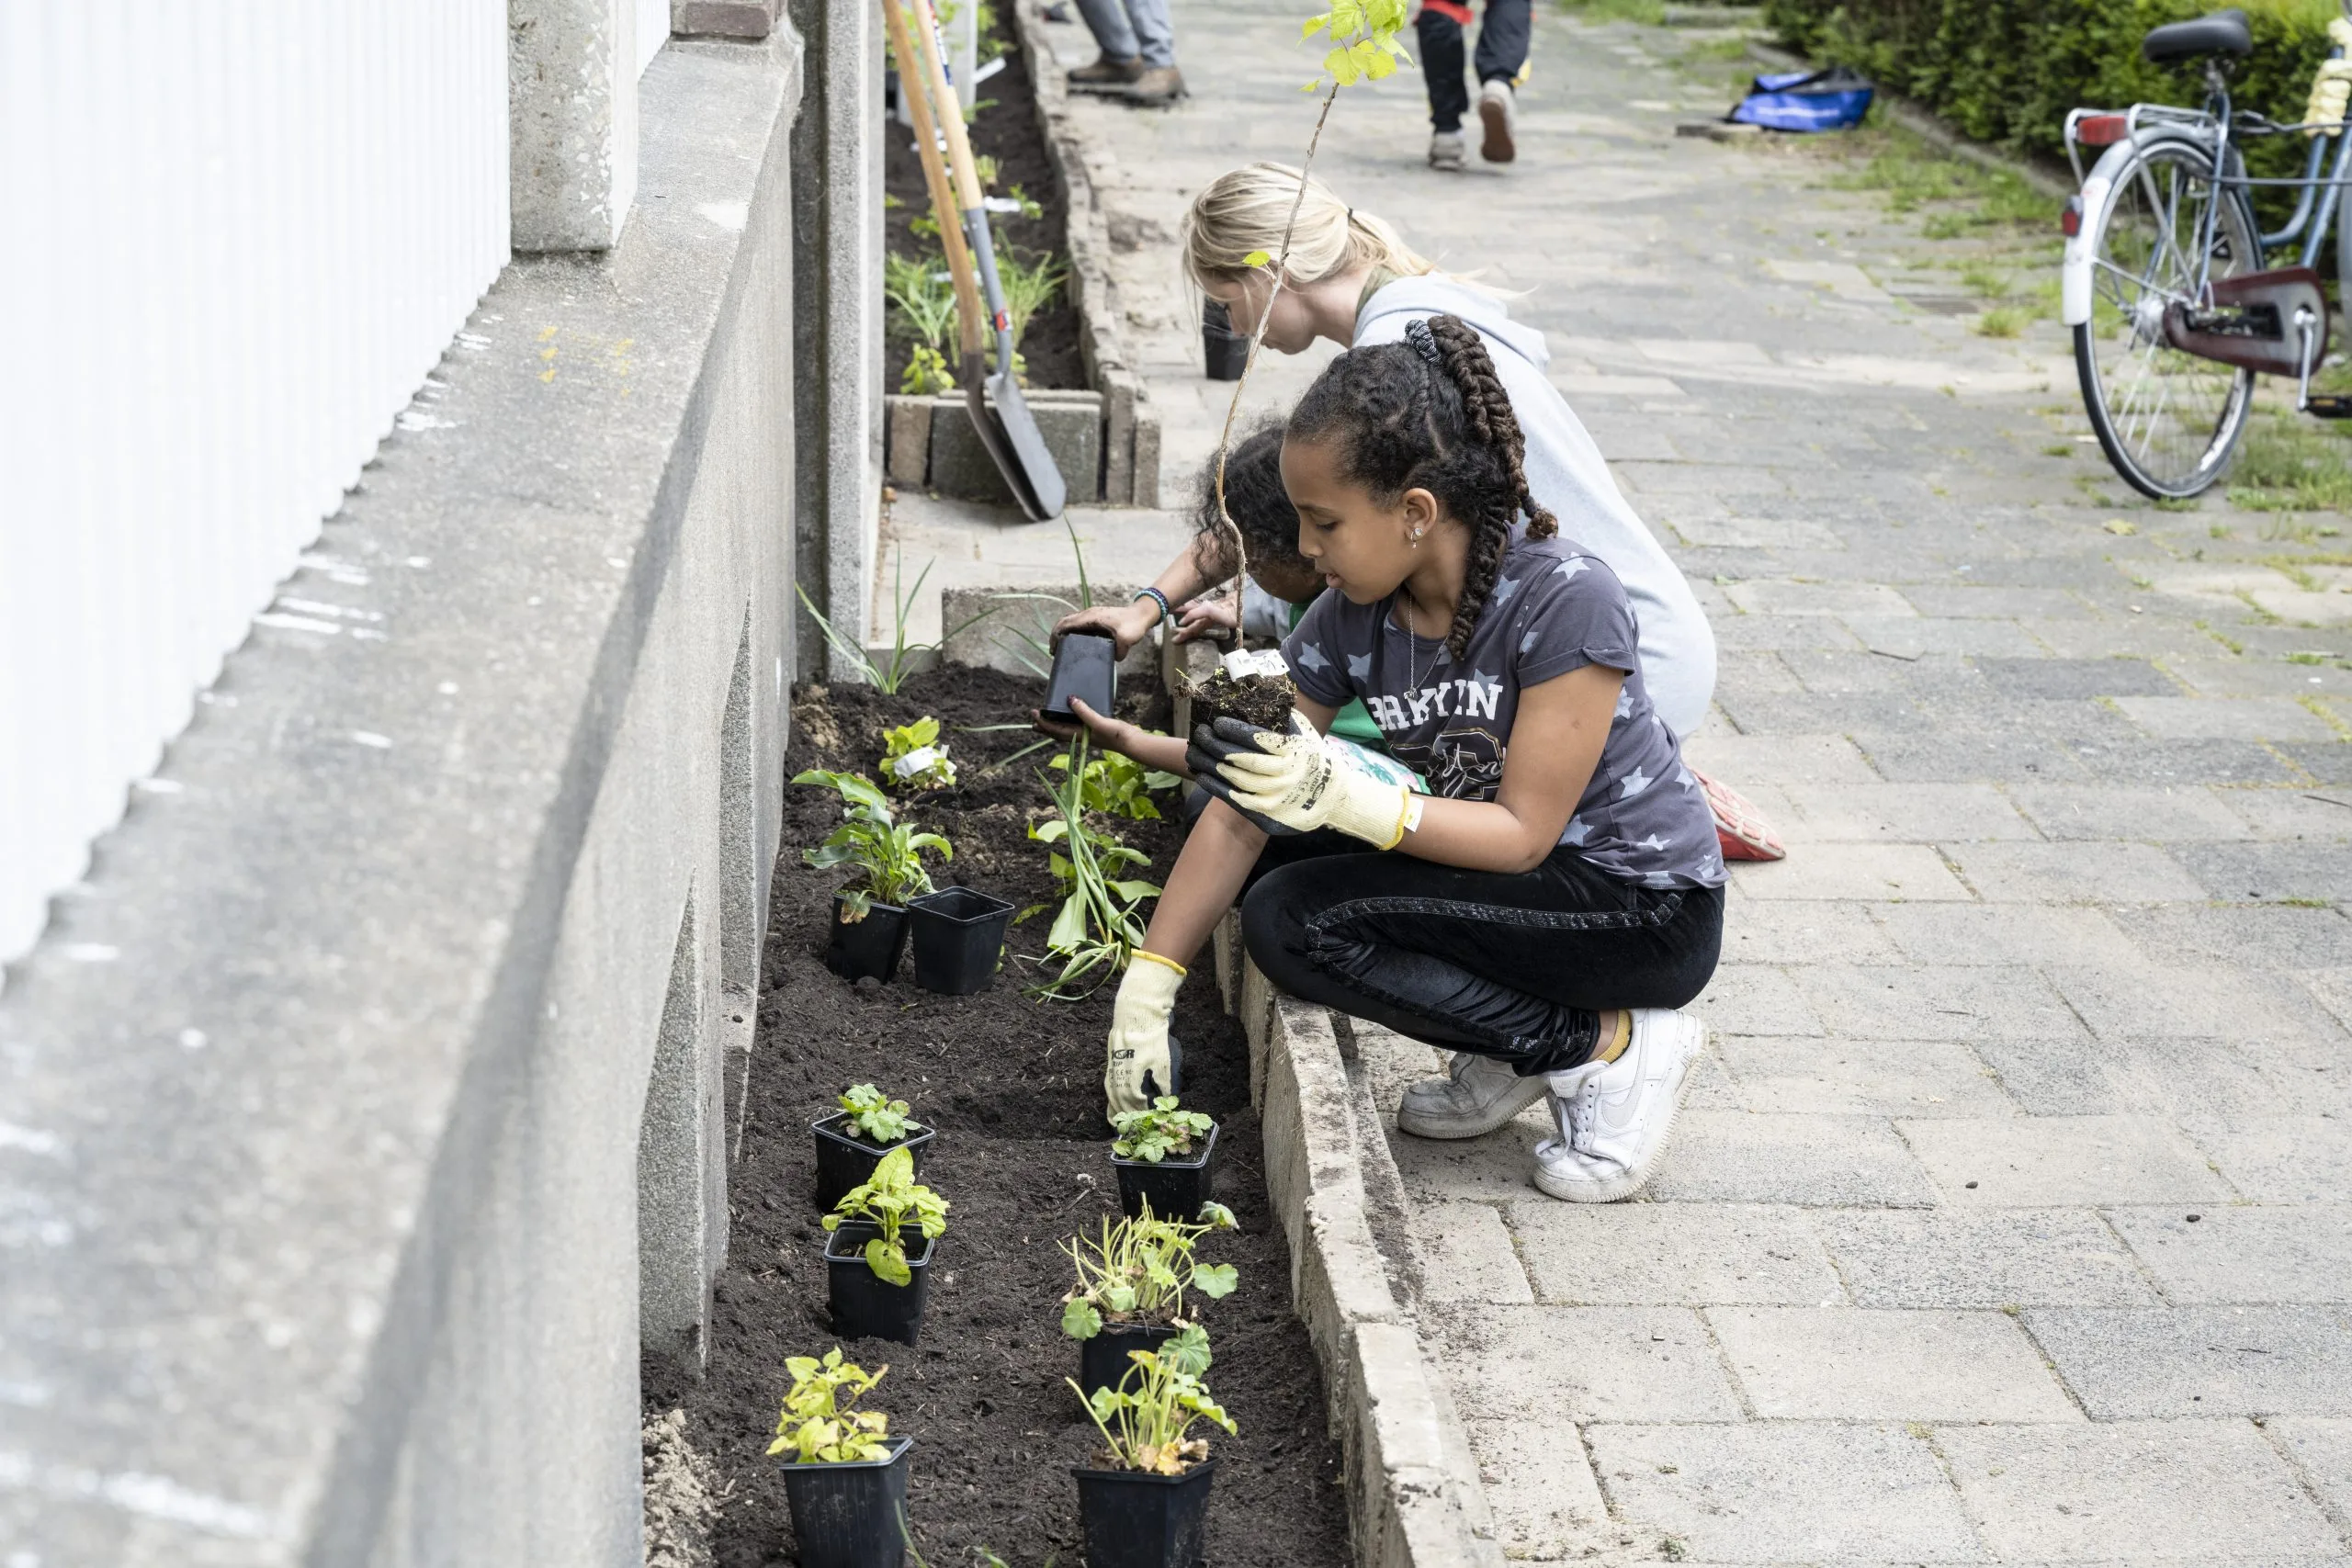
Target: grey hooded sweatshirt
1567,473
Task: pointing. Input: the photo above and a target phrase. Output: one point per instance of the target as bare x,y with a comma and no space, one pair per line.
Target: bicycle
2164,282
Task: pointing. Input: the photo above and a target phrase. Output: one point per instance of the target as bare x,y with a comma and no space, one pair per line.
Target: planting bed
1022,1154
1006,129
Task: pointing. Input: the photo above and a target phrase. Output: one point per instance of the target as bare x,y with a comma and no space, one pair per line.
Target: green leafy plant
1029,285
890,1199
875,1117
1148,1420
1097,928
904,655
926,375
817,1425
886,853
1118,785
912,757
1140,1269
920,290
1158,1131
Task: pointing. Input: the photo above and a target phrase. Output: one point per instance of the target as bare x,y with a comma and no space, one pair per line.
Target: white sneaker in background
1498,112
1478,1095
1445,150
1614,1123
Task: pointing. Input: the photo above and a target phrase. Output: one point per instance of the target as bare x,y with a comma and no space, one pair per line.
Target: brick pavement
2010,1219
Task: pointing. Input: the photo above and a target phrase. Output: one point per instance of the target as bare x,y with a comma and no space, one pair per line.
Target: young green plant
886,853
1097,928
1140,1269
912,757
919,288
817,1425
890,1200
904,655
1148,1420
1117,785
1158,1131
875,1117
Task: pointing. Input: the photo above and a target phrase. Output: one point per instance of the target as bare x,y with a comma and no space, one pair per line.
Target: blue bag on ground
1834,99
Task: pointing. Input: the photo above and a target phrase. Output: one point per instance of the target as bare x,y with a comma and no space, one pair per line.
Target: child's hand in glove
1303,781
1140,1062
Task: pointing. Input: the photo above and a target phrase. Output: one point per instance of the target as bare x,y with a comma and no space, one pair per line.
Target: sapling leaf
1216,1280
888,1262
1119,1298
1188,1351
1081,1320
1216,1216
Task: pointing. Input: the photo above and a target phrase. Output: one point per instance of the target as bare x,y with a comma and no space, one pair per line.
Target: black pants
1513,966
1502,50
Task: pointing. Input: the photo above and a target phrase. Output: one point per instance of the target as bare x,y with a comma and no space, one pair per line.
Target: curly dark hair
1254,495
1406,420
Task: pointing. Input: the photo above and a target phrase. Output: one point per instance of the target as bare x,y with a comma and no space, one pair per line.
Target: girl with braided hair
1557,893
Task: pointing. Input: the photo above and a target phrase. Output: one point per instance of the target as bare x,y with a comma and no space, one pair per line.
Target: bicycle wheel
2168,420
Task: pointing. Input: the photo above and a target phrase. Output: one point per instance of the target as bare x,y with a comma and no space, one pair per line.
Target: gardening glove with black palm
1303,781
1142,1060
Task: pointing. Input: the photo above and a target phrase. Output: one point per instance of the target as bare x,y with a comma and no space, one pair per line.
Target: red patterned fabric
1453,8
1739,826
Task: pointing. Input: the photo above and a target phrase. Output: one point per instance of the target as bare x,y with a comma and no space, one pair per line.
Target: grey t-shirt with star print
1555,608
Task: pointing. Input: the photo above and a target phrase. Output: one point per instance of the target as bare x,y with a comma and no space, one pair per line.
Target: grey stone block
1913,813
2069,678
2322,1451
1778,760
1546,1503
1673,1254
2270,873
2010,935
2177,763
2067,1076
1782,1493
1741,1158
724,18
2035,1161
1070,422
2225,719
1554,1364
1748,998
1960,756
2329,764
2286,1158
2074,873
1906,872
2125,1362
2266,936
573,123
1847,1363
1947,1258
1466,1254
2077,811
2235,1253
906,455
1864,1002
2142,1492
1760,930
1842,1077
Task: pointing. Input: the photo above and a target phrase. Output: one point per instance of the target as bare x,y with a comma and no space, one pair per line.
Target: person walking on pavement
1138,64
1500,58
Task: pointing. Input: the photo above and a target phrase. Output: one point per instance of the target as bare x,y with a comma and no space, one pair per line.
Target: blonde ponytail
1247,210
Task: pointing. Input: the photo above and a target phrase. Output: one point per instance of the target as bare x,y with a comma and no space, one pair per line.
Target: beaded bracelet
1157,597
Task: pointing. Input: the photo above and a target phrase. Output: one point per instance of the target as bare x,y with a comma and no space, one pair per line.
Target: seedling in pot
875,1117
1165,1157
875,1285
886,853
853,1139
913,759
845,1475
890,1202
1130,1291
1148,1508
1159,1131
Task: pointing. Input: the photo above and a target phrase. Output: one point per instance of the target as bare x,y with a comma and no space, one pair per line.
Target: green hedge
2008,71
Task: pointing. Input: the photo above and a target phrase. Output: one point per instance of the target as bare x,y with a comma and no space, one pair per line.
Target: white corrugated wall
234,237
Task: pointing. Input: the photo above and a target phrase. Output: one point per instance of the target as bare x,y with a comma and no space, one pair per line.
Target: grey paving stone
2147,815
2295,812
2045,603
1911,636
1765,930
1743,1157
1786,598
2141,637
1853,1364
2228,677
2036,1161
1808,713
2270,873
1740,759
2190,1000
1982,1258
1466,1254
2287,1160
1748,998
2235,1254
1967,935
2124,1362
1846,1078
2135,1492
2226,718
2322,1451
1740,631
1904,872
2054,1078
1477,1171
1673,1254
1558,1364
1918,1001
1785,1492
2258,936
2328,762
2077,678
2187,762
2074,873
1949,757
1904,812
1542,1489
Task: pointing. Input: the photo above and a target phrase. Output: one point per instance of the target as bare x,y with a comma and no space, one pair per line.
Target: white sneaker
1614,1121
1498,113
1478,1095
1445,150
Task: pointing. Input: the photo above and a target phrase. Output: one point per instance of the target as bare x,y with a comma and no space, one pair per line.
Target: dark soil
1263,700
1006,129
1022,1154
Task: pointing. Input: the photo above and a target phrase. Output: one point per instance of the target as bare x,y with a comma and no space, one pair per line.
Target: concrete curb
1414,1497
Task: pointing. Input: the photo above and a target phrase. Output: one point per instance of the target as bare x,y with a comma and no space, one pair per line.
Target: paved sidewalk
2010,1219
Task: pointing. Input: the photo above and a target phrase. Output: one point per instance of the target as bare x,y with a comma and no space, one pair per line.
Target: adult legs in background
1502,53
1139,42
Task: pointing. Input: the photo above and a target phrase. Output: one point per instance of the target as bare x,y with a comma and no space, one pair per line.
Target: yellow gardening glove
1138,1048
1303,781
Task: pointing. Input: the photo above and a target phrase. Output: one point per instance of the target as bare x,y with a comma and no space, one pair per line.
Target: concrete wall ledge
320,1102
1414,1497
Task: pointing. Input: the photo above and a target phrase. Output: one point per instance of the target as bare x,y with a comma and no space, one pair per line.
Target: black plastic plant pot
1177,1189
846,1516
843,1162
1085,667
957,936
1103,1360
1134,1519
870,946
866,1306
1225,351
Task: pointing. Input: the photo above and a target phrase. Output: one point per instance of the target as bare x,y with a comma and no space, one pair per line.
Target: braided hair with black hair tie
1430,413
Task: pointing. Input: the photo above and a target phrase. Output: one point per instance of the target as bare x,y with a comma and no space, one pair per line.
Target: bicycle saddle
2224,32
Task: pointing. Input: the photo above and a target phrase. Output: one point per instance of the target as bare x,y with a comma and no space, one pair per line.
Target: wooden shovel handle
951,111
914,81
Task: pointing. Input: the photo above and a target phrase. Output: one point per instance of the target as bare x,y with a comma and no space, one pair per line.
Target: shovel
1001,418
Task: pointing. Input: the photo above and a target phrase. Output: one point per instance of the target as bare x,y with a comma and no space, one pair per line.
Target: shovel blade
1047,492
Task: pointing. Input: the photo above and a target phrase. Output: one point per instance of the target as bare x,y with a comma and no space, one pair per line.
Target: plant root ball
1263,700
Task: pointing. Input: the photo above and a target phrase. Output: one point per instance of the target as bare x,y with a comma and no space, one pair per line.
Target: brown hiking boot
1106,72
1156,88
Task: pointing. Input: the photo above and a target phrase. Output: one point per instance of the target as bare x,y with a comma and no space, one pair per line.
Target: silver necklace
1412,655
